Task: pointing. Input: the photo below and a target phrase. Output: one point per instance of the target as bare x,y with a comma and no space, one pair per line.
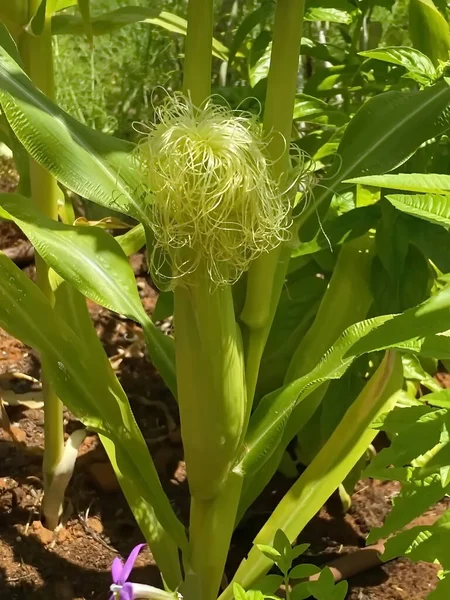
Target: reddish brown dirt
73,564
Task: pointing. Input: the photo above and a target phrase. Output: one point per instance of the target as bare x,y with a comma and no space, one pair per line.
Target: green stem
213,524
198,51
39,60
267,273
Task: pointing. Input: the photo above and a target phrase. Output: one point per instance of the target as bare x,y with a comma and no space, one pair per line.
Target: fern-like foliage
418,457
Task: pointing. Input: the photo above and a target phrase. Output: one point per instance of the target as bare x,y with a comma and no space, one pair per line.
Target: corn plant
236,223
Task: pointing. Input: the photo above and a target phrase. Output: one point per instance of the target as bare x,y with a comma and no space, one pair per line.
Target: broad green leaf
86,384
164,306
295,313
259,58
427,183
249,23
382,135
92,261
439,398
345,228
310,109
400,272
132,241
303,571
432,208
37,22
96,166
429,30
334,11
413,60
127,15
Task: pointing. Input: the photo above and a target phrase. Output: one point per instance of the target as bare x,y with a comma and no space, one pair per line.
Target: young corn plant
231,220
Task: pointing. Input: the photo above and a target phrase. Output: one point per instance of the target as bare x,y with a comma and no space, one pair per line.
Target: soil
73,563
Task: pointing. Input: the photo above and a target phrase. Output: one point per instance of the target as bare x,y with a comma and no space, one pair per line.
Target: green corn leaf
382,135
429,30
249,23
427,183
94,165
432,208
87,385
14,14
328,469
92,261
62,4
104,23
84,6
127,15
132,241
284,409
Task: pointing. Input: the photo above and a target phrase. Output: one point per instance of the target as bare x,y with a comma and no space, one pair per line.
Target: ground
74,562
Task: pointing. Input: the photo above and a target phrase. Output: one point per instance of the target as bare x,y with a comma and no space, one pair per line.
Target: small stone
95,524
44,535
62,535
18,434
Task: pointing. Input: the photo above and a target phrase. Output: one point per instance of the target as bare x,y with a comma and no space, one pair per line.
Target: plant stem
38,58
210,371
198,51
267,273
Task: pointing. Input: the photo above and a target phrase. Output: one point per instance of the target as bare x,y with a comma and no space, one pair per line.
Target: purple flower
120,573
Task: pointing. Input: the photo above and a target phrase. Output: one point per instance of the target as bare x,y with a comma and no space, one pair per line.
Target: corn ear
210,376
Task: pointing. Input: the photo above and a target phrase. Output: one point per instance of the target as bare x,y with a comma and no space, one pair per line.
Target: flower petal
116,571
129,564
126,593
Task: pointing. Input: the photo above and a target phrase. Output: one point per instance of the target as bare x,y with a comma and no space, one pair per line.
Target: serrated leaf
333,11
430,183
432,208
413,60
